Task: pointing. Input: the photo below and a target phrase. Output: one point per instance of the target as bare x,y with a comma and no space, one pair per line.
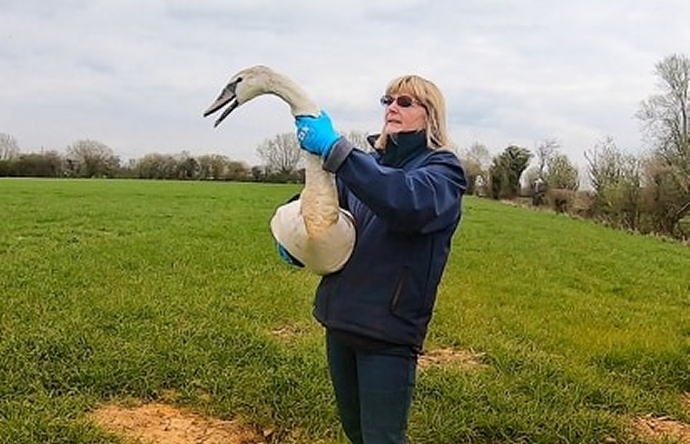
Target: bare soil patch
466,359
288,332
664,428
165,424
658,428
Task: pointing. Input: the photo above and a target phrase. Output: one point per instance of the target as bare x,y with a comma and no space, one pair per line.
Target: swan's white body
313,229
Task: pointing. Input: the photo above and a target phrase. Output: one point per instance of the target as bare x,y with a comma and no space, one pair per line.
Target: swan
313,229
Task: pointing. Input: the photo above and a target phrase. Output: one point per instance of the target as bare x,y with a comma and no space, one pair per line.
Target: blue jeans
373,390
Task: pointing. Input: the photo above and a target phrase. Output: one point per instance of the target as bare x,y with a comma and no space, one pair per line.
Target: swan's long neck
319,197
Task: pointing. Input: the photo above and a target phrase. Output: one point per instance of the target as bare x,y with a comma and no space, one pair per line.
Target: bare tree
212,166
219,167
360,139
187,166
603,166
9,149
546,150
476,159
282,153
90,158
666,125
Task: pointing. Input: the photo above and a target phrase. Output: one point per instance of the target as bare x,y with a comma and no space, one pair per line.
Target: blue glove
288,258
316,134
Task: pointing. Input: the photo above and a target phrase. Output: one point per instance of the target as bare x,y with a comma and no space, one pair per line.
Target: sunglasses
402,101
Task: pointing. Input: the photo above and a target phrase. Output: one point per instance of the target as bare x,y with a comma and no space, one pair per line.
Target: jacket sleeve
424,199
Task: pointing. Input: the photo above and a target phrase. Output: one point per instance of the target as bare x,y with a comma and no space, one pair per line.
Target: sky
137,75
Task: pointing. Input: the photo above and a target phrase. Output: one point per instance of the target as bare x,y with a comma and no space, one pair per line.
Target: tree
617,182
90,158
47,164
281,154
476,160
9,149
156,166
359,139
187,166
666,124
546,150
553,171
236,170
212,166
561,173
219,167
506,170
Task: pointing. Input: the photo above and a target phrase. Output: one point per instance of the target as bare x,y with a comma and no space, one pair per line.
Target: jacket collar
401,147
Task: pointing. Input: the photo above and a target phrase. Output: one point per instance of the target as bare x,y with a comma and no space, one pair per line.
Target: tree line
649,192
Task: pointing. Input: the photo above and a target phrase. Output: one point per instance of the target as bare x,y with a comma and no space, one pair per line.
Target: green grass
112,290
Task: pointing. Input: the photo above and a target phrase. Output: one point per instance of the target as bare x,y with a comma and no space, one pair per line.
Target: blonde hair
431,98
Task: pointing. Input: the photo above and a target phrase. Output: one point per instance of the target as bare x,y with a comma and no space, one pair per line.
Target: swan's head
242,87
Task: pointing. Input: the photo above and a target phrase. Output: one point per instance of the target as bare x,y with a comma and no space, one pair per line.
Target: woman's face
401,118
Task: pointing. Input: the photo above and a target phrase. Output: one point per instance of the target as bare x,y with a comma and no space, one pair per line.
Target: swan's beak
226,97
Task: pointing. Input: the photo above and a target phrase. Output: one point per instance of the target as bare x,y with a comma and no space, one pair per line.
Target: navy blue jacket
406,204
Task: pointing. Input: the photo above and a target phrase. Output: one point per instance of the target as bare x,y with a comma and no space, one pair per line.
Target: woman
406,202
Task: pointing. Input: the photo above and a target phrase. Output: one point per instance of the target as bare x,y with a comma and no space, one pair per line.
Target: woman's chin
393,128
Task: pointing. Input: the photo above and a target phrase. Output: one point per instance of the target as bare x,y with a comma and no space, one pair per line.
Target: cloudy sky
137,75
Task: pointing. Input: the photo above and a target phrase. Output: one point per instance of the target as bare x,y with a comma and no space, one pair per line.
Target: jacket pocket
397,303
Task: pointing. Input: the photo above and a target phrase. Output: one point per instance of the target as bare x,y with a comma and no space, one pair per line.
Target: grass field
122,290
